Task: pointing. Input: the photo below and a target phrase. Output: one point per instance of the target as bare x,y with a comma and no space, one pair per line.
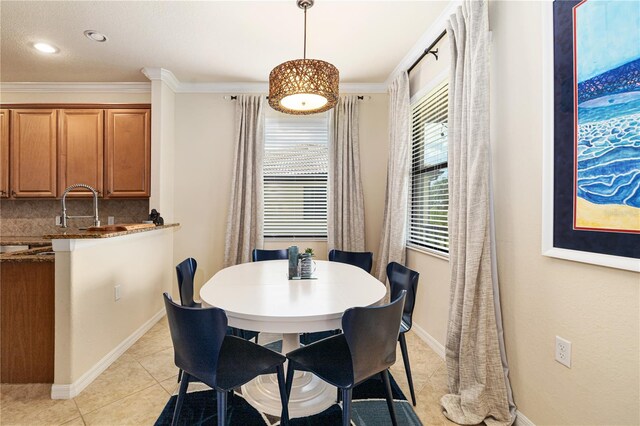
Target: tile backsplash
37,217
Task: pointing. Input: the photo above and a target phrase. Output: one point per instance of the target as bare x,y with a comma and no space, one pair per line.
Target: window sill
426,251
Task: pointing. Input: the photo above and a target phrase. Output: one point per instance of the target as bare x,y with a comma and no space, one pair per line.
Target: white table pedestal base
309,394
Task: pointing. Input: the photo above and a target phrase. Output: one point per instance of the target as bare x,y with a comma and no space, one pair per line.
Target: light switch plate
110,220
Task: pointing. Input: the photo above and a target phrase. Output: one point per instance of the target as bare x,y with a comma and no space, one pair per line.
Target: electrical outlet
110,220
116,293
563,351
58,221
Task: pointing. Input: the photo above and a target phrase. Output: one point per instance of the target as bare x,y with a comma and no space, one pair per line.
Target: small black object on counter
155,217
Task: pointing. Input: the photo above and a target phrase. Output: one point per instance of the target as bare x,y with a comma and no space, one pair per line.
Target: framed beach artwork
592,132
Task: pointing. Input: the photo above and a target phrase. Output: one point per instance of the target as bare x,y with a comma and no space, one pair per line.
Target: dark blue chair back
362,259
186,271
259,255
197,335
402,278
371,334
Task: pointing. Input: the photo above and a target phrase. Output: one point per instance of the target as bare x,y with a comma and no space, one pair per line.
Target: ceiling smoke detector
95,36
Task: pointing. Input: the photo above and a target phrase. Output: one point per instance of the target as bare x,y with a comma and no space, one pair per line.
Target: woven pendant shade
304,86
304,76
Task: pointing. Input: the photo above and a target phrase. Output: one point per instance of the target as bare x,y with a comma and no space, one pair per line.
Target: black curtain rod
427,51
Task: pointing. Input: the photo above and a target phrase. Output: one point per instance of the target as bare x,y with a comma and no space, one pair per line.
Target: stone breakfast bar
108,293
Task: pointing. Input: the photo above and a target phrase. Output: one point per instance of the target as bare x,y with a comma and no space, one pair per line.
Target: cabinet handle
3,193
13,193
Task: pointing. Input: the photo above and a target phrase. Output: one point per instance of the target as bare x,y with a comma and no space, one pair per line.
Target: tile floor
135,388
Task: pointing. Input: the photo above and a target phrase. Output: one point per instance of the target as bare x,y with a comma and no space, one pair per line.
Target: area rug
369,408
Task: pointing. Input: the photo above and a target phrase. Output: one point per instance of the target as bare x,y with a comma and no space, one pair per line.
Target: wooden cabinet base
27,294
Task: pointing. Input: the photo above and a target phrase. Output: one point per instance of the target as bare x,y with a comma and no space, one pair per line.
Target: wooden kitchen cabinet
4,153
128,153
27,330
33,147
81,150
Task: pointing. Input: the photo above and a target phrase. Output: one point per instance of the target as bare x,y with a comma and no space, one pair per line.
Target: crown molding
163,75
54,87
263,87
238,87
425,40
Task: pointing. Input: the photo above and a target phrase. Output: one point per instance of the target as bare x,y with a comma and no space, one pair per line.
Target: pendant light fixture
303,86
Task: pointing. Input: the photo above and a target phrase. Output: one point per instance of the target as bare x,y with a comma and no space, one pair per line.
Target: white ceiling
210,41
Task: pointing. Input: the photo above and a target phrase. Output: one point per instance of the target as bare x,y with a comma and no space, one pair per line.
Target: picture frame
560,238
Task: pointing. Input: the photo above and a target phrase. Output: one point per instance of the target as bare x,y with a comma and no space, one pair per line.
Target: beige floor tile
266,338
75,422
160,365
439,381
32,405
122,378
140,408
170,385
155,340
428,408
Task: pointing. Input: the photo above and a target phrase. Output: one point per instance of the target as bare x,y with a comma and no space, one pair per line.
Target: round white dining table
259,296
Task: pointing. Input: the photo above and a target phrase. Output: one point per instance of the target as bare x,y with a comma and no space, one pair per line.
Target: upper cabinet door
128,153
4,153
81,153
33,153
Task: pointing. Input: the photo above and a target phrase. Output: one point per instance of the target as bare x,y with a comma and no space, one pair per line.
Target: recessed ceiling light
45,48
95,36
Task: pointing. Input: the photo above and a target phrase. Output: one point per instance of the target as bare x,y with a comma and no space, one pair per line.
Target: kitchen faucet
64,217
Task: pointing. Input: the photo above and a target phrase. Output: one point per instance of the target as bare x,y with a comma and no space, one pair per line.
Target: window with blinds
296,164
429,202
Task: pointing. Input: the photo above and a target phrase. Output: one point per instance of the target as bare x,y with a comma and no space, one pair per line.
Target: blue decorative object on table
293,262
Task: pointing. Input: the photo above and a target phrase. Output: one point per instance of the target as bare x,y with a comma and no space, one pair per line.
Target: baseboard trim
72,390
429,340
522,420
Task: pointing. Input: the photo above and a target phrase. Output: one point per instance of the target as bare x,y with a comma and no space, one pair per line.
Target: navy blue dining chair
186,272
205,353
403,279
361,259
258,255
366,348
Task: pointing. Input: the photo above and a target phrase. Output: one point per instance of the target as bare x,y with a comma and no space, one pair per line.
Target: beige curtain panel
478,383
244,221
346,201
394,223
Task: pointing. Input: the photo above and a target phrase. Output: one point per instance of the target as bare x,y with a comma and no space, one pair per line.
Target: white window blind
428,226
296,163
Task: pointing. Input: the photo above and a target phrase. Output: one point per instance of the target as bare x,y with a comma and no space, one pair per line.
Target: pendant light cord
304,56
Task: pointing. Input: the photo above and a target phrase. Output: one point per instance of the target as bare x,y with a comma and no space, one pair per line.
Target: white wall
596,308
162,149
204,149
89,322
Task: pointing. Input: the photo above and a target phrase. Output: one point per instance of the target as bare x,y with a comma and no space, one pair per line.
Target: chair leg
179,375
346,407
407,366
338,390
184,383
289,381
284,399
389,396
222,407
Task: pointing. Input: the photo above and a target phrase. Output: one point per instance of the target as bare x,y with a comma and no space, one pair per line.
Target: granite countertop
40,254
33,241
104,234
